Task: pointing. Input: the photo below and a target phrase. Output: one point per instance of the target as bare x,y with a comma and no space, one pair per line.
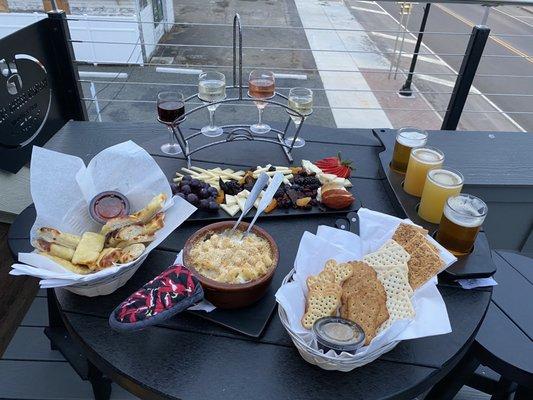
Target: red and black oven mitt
169,293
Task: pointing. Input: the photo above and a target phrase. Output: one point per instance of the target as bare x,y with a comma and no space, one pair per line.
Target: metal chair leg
54,318
504,389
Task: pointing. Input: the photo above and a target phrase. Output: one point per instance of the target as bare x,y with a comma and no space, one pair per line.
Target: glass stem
260,122
172,139
211,119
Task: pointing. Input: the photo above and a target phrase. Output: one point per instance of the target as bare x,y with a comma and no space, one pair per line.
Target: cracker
326,287
399,251
341,271
364,299
320,279
423,265
384,259
399,292
320,305
405,232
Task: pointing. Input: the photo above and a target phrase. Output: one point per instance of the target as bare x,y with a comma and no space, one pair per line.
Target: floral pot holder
168,294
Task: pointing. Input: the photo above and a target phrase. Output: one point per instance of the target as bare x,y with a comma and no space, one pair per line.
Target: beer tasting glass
170,108
440,184
460,223
211,88
301,100
261,86
406,139
421,160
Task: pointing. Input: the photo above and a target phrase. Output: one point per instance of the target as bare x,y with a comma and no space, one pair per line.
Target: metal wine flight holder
237,132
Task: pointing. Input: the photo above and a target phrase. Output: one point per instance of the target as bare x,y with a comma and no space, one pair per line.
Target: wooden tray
477,264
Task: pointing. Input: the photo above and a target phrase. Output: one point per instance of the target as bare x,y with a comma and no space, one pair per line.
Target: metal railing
426,83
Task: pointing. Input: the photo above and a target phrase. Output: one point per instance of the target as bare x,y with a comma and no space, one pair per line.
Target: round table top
505,339
191,358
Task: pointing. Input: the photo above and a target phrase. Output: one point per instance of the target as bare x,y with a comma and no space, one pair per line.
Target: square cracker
399,292
384,259
423,265
405,232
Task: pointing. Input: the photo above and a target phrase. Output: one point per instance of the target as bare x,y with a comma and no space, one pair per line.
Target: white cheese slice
244,194
231,200
310,167
241,201
231,210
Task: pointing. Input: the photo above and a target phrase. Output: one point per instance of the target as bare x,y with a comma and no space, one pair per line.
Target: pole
64,54
406,88
467,73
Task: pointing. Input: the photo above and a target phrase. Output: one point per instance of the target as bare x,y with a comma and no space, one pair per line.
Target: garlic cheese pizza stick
89,248
148,212
53,249
136,239
107,258
130,232
78,269
53,235
131,252
140,217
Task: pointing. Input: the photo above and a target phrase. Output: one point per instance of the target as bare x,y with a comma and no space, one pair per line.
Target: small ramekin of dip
338,334
107,205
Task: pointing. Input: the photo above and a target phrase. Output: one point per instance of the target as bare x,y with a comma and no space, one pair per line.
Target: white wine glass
211,88
261,86
301,100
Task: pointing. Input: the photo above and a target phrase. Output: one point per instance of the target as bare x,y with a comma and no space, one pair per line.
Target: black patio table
191,358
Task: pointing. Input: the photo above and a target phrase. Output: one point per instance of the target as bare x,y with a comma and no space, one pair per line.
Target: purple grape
195,183
213,191
174,188
213,205
204,203
185,189
203,193
192,198
186,178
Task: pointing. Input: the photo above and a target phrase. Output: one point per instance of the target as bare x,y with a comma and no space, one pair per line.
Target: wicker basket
108,284
317,357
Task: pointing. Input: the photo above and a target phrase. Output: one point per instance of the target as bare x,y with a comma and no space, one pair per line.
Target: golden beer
406,139
460,223
421,160
440,184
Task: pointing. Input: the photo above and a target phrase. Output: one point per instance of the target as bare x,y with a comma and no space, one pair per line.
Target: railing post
467,73
406,88
64,54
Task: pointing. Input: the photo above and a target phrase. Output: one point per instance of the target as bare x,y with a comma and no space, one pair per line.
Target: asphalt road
504,55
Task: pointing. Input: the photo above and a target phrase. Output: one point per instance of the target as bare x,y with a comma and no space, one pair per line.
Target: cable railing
432,82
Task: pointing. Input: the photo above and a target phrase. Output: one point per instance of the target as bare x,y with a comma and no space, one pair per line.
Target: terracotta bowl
232,295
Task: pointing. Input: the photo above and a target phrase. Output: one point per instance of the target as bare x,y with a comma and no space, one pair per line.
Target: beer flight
459,215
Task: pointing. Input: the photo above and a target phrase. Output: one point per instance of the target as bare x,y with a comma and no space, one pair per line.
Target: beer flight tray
478,264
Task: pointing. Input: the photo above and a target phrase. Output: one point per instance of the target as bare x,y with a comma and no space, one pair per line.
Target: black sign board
35,90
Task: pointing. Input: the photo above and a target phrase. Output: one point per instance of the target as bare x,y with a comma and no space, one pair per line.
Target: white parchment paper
330,243
62,188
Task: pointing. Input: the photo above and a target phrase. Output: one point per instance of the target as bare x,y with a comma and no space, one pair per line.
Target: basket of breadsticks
351,298
96,224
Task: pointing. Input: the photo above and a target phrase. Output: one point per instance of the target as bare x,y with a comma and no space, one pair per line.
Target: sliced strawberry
336,166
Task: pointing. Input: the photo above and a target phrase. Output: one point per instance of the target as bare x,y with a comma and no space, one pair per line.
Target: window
157,6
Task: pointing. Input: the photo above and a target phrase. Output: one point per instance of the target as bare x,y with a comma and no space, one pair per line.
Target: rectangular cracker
405,232
320,305
399,292
423,265
383,260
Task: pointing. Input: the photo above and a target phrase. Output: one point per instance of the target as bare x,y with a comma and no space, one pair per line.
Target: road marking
357,108
514,17
392,37
492,104
501,42
444,82
425,59
367,10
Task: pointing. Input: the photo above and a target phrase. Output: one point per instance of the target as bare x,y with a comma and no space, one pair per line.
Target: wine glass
261,86
170,108
301,100
211,88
